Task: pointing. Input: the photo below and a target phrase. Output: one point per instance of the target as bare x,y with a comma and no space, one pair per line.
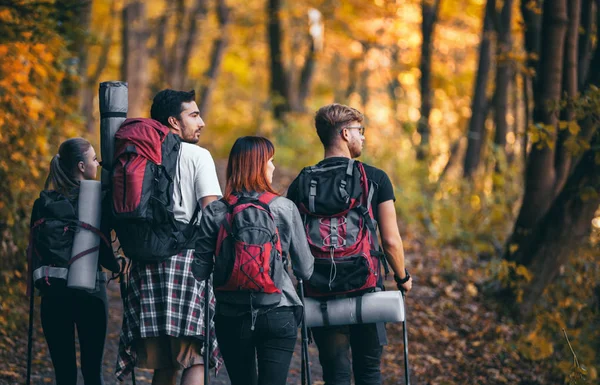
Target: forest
484,113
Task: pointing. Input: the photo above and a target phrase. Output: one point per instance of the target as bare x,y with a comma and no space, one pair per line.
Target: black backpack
334,200
51,239
146,160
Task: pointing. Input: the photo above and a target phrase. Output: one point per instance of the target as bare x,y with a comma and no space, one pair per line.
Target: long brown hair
63,166
246,168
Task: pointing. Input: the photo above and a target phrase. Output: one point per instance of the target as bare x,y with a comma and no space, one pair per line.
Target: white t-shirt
195,178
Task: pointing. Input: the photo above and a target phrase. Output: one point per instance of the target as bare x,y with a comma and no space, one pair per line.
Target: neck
337,152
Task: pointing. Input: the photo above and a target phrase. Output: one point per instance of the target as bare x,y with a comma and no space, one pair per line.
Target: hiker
53,226
258,310
163,324
344,241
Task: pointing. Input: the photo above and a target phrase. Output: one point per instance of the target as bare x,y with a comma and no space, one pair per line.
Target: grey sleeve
207,241
294,243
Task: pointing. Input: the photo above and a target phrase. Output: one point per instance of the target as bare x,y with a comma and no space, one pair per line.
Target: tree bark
306,75
479,104
198,13
504,75
135,58
90,88
352,77
594,71
540,174
585,41
563,157
279,85
73,17
563,229
430,12
394,87
532,16
216,57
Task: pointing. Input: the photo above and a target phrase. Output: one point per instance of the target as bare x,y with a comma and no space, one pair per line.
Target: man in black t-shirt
340,129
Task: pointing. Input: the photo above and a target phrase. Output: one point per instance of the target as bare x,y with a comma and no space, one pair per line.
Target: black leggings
60,314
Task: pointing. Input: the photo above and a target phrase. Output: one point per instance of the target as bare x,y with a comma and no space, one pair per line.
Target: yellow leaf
574,127
563,124
471,290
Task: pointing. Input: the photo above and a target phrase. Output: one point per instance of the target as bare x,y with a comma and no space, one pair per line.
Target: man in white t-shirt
163,326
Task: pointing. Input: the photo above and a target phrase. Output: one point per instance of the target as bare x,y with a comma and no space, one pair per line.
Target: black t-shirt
383,189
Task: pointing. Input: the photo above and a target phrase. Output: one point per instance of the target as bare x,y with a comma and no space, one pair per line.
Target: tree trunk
504,75
430,13
563,157
306,75
90,88
594,72
479,104
540,174
315,37
532,16
216,56
73,17
279,85
197,14
562,230
135,58
394,88
585,42
352,77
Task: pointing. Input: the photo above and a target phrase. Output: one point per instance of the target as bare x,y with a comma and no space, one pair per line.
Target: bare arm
391,240
206,200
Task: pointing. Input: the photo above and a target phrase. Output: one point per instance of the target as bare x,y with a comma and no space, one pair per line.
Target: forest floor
455,336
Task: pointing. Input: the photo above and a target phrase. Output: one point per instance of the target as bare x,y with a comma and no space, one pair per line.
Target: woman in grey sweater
249,238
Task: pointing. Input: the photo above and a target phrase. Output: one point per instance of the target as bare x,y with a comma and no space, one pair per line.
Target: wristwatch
402,281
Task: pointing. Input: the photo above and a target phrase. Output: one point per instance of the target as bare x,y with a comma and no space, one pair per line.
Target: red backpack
248,256
335,203
145,162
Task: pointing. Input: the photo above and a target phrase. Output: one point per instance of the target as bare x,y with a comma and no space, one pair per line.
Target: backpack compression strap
81,224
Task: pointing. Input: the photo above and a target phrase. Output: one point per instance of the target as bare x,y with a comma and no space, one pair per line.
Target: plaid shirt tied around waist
164,299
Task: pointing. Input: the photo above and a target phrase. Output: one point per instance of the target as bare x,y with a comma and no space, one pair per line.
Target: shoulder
282,205
195,152
375,174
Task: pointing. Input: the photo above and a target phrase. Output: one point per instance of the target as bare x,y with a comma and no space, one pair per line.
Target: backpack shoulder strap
267,197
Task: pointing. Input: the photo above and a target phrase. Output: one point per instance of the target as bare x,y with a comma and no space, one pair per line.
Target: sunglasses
361,129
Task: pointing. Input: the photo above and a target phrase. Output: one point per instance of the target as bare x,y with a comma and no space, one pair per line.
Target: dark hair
331,118
246,168
63,166
168,103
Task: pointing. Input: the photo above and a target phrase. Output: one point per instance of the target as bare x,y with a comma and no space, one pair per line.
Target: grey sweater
293,243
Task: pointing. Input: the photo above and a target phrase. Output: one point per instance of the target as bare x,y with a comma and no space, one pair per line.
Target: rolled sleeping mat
113,111
382,306
82,272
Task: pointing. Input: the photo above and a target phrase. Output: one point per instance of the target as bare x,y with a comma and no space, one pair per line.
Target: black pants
271,342
334,345
60,315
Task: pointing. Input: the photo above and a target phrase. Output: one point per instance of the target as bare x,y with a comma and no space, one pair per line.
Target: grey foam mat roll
82,272
382,306
113,111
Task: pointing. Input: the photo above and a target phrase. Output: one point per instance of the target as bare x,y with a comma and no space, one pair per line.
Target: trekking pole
405,335
30,334
207,331
305,361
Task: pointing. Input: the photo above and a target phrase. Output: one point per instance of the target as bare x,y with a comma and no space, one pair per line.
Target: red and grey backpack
334,200
248,257
145,163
